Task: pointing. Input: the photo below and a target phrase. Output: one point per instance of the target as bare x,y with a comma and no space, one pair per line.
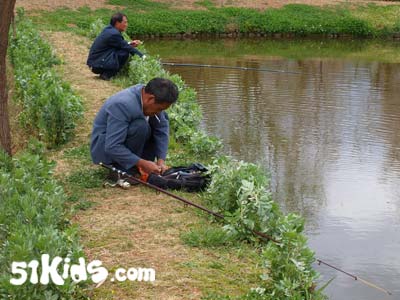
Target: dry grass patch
55,4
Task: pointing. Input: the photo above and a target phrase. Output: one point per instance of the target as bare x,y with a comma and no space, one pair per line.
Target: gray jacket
111,126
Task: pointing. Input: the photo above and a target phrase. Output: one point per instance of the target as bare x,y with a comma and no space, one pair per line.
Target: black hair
117,17
164,90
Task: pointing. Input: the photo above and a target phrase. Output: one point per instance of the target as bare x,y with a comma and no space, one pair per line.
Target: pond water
329,136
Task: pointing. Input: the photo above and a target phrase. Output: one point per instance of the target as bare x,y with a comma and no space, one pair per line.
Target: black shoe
105,77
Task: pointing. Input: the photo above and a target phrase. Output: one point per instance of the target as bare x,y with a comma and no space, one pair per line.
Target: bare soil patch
55,4
186,4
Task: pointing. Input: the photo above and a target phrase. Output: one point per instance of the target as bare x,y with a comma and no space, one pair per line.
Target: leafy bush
32,223
239,191
96,28
50,109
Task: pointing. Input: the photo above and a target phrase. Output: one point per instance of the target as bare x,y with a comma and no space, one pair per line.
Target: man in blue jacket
110,51
131,130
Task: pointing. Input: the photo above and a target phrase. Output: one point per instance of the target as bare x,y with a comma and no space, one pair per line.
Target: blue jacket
111,126
103,53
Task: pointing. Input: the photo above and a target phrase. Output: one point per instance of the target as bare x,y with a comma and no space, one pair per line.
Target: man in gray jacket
131,130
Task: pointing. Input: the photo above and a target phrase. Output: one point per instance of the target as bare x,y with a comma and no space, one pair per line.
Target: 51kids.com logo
58,270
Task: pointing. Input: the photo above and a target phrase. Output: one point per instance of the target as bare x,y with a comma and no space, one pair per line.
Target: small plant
96,28
87,178
206,237
81,152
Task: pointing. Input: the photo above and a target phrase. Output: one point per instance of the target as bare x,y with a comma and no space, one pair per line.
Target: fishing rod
221,217
356,278
227,67
215,214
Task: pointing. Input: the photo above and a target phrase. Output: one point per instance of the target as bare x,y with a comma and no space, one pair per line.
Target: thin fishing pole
354,277
219,216
122,173
227,67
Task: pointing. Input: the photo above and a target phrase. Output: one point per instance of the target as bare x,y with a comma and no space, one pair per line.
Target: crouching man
131,130
109,51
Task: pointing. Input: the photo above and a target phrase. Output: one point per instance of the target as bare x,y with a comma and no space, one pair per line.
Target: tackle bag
191,179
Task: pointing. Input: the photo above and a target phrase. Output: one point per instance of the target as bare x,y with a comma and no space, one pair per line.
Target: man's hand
149,166
135,43
161,163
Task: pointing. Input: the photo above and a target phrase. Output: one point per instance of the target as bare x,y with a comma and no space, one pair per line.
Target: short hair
117,17
164,90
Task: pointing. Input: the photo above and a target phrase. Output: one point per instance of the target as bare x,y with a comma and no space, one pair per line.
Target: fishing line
227,67
221,217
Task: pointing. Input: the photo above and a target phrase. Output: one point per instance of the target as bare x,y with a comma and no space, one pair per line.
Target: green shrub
50,109
239,191
96,28
32,222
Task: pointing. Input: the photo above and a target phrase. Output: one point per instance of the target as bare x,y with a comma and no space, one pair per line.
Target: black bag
191,179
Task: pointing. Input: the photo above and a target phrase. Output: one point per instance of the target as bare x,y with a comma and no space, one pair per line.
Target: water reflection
329,136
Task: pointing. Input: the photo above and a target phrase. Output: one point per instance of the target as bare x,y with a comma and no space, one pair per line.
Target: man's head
119,21
158,95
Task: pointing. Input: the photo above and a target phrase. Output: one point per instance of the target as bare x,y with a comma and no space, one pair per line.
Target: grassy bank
154,19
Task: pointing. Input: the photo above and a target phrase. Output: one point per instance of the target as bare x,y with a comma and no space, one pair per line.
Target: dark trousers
123,56
140,141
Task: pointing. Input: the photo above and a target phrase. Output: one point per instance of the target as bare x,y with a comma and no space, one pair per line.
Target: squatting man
109,51
131,130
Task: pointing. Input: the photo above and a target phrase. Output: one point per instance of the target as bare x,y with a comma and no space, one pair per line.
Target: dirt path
136,227
186,4
54,4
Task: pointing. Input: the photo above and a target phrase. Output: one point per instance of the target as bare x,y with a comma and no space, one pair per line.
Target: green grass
140,5
383,18
205,3
152,18
87,178
81,153
206,236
